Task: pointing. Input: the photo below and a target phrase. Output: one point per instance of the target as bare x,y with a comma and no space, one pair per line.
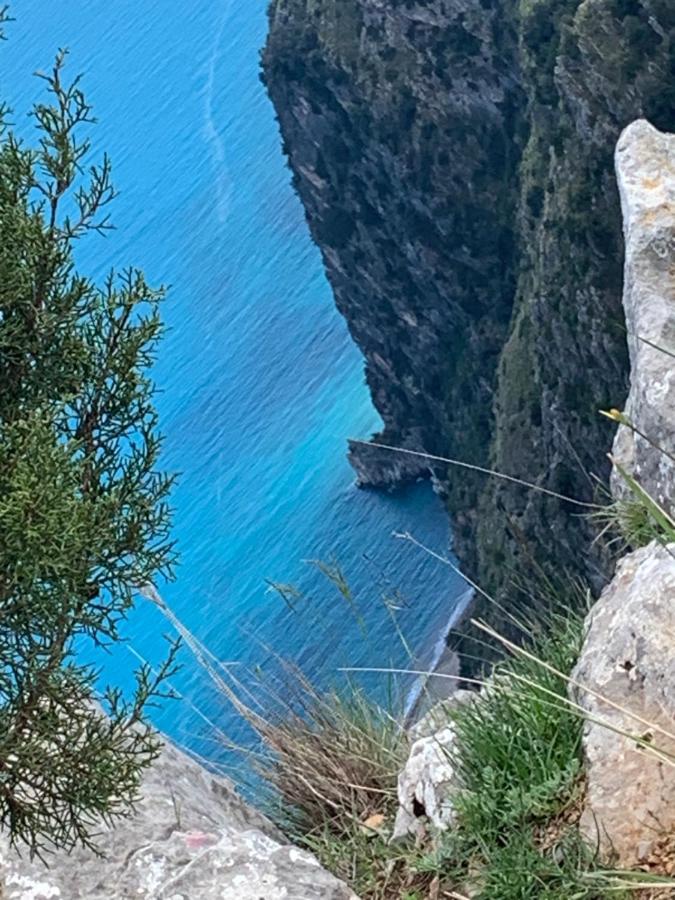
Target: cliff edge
623,795
624,677
191,836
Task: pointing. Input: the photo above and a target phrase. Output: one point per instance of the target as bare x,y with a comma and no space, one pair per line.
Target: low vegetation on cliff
518,761
516,756
518,795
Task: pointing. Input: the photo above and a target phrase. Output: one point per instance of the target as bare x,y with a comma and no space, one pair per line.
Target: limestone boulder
428,782
426,785
191,838
645,165
627,674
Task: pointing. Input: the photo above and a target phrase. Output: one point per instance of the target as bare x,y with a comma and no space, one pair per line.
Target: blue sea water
260,383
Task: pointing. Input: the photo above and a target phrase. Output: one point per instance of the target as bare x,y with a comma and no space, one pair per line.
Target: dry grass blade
474,468
339,758
522,651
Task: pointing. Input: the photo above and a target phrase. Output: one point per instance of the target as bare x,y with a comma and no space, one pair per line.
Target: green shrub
84,520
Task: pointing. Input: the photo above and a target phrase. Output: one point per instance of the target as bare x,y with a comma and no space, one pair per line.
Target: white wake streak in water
222,183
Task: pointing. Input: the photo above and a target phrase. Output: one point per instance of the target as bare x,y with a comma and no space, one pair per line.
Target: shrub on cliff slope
83,514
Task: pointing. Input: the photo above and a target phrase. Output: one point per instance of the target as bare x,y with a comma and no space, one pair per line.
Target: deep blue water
260,382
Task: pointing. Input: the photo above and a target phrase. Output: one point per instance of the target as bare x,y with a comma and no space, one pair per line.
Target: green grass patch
519,746
333,767
518,754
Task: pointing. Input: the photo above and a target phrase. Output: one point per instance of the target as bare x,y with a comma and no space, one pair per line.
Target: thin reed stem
474,468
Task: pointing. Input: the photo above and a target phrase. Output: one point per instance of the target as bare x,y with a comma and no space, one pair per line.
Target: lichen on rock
426,785
625,681
625,677
190,838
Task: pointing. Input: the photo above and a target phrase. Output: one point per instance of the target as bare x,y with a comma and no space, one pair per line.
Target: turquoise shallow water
260,382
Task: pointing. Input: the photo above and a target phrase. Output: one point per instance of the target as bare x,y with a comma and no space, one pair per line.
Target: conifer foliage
84,520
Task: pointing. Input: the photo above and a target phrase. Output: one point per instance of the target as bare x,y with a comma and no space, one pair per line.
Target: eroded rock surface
426,785
628,664
192,838
645,163
428,781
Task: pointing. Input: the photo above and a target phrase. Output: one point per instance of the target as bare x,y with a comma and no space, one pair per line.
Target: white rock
628,661
192,838
439,715
426,785
645,165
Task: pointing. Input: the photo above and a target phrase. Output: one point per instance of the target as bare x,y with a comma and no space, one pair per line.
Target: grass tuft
518,754
332,760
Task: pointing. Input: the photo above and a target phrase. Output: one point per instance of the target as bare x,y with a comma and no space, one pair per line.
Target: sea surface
260,382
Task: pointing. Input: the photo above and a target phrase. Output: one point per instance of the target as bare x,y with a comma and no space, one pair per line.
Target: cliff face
400,124
588,68
454,158
189,836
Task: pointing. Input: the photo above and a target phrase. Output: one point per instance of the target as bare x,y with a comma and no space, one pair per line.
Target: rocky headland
454,158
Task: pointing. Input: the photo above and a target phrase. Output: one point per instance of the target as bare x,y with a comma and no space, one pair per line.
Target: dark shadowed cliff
454,158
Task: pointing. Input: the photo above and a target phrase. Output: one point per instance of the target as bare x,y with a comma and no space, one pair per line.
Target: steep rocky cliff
589,68
401,124
454,158
624,676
